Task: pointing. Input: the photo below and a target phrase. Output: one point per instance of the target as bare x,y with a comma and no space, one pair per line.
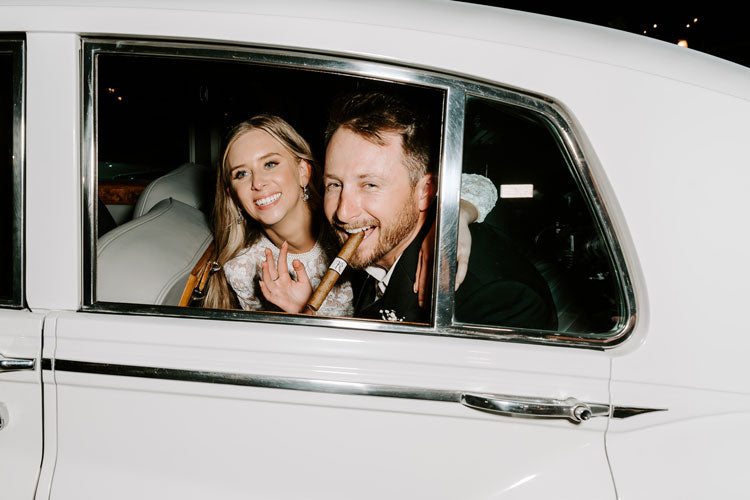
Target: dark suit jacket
501,287
399,302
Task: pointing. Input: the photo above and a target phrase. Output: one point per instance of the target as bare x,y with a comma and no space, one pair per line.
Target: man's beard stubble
388,237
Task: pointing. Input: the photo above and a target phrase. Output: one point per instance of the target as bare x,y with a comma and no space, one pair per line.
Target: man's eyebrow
371,176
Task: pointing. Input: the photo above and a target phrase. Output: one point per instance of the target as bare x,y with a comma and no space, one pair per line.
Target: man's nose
348,208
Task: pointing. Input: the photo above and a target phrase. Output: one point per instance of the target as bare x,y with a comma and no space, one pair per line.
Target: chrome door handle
518,406
15,364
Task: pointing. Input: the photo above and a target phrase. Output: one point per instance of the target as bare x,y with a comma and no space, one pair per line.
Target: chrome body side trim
456,89
631,411
288,383
16,46
345,388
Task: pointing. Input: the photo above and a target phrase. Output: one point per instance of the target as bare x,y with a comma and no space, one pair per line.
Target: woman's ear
305,171
425,191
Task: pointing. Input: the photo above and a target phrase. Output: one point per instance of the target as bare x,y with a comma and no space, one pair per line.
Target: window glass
539,259
159,146
9,278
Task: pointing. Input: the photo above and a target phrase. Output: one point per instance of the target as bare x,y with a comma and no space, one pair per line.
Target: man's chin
362,261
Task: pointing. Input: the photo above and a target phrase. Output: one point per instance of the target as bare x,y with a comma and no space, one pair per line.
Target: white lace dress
245,271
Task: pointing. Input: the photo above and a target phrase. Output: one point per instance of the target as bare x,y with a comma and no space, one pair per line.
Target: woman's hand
279,288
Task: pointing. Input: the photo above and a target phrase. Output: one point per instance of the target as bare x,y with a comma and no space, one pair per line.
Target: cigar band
338,265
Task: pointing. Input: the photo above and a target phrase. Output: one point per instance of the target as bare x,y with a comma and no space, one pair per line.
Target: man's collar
382,276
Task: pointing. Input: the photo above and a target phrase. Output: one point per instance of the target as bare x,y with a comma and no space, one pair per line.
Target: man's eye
370,185
332,185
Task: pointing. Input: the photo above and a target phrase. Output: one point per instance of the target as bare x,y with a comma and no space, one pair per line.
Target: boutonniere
389,315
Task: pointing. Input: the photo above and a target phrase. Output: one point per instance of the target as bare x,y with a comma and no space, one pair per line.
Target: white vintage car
623,170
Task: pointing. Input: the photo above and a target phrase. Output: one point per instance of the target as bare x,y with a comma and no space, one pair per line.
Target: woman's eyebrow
261,158
272,153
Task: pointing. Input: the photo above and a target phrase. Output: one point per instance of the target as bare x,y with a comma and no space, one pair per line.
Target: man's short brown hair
370,114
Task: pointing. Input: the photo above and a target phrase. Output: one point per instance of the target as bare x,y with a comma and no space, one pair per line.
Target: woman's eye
239,174
270,164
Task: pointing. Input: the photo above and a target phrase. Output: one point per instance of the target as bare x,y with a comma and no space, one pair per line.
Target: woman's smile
267,202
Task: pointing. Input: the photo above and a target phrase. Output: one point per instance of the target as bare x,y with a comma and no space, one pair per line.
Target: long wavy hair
233,229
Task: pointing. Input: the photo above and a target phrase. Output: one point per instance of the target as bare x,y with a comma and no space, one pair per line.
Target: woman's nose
259,182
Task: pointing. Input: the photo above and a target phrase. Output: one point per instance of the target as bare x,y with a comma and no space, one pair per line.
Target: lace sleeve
242,276
480,192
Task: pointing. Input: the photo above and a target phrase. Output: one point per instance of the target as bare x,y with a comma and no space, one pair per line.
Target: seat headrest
148,260
187,183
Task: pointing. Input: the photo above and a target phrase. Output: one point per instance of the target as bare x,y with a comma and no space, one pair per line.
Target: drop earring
239,219
305,193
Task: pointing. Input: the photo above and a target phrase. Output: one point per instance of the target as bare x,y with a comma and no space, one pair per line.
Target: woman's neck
297,231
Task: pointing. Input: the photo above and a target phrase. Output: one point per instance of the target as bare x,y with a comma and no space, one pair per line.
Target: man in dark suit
377,179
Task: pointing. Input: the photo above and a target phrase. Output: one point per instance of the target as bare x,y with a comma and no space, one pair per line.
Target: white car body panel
223,440
21,438
664,134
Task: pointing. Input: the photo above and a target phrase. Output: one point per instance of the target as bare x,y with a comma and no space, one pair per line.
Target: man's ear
305,171
425,191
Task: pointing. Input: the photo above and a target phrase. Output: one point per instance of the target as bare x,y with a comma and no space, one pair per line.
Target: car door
153,400
21,437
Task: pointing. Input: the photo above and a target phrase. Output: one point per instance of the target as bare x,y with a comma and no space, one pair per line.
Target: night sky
719,32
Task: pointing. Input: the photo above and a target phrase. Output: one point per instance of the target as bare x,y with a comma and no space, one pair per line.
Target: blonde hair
231,235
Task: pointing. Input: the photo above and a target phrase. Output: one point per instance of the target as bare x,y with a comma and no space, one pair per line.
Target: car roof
456,19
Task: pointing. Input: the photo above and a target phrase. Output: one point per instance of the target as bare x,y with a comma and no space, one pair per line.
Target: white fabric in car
148,260
186,183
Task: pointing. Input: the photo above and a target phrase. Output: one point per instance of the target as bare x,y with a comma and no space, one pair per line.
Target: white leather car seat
147,260
187,183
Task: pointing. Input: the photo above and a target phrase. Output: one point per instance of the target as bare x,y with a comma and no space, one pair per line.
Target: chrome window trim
456,90
16,46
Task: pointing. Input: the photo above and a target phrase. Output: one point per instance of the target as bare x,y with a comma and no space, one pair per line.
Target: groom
377,179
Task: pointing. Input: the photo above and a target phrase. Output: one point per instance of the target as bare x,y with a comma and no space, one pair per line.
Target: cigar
334,270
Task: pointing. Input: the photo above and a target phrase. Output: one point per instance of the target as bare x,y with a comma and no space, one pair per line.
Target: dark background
722,32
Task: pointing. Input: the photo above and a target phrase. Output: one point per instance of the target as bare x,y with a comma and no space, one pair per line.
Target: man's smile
367,229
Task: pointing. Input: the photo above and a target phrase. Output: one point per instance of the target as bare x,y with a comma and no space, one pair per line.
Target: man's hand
466,215
279,288
423,280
